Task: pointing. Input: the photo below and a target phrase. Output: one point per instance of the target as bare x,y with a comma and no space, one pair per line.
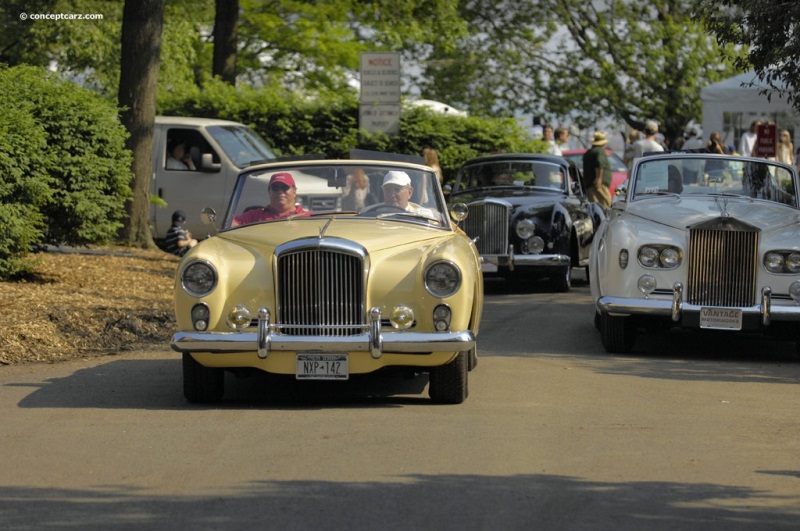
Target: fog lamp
535,245
441,318
401,317
200,317
239,318
646,284
794,292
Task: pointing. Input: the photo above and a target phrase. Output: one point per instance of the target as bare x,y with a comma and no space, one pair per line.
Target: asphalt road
556,434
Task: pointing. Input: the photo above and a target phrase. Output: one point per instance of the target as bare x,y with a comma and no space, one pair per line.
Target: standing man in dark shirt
597,172
178,240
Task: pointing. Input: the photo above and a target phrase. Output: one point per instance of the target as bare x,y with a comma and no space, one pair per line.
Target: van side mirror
207,164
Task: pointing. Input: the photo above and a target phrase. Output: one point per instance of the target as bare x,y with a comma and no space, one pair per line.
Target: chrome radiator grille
320,292
722,266
489,223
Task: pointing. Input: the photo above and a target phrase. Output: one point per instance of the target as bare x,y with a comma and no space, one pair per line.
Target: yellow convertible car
385,282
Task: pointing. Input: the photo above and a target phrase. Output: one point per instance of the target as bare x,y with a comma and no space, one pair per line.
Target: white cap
400,178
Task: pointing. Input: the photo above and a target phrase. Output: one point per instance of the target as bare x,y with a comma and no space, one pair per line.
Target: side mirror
622,189
459,212
208,216
207,164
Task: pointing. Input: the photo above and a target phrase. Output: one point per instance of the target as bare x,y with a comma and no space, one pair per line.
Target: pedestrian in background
630,146
648,144
432,160
784,151
748,141
597,172
178,240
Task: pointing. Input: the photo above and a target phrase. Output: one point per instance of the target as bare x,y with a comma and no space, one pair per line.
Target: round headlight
535,245
199,279
648,256
525,229
670,257
793,263
773,262
442,279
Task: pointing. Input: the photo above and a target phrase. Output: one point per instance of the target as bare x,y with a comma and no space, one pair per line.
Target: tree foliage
582,61
768,30
64,172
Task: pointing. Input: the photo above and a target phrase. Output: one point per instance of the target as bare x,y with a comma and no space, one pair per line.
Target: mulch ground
88,302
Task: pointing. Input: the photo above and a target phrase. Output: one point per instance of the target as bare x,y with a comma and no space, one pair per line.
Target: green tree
583,60
767,29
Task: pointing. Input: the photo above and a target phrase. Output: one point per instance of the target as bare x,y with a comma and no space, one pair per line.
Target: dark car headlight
442,279
525,229
199,278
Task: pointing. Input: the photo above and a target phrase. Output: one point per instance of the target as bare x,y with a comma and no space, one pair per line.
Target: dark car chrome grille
320,292
723,259
488,222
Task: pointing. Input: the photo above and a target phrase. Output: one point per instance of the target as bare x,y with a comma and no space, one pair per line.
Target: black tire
472,359
618,333
561,279
449,383
201,385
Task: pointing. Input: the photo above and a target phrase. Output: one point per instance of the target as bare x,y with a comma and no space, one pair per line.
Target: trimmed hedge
64,171
294,124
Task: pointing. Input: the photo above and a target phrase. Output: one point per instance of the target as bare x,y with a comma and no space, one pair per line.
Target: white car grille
723,260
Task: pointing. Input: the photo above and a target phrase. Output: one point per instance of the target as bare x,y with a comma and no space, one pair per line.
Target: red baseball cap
283,178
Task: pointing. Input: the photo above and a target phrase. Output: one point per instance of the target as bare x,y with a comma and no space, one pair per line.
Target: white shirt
646,146
747,143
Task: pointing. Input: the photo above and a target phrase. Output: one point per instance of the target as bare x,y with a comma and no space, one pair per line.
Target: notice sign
379,118
380,78
379,110
766,140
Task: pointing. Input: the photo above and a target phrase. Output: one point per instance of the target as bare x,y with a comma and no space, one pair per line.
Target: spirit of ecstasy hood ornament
722,204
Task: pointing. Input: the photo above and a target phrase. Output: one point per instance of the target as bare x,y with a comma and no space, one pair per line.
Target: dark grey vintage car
528,216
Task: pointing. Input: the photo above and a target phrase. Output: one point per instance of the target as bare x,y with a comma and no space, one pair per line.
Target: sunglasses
279,188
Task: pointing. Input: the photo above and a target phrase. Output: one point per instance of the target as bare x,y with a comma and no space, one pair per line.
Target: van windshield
241,144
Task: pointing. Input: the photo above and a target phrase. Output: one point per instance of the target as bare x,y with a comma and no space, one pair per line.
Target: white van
219,150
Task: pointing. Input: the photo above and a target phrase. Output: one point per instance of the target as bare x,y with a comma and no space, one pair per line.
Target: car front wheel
618,333
448,383
201,385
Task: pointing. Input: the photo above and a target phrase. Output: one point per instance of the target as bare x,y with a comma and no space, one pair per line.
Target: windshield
513,173
715,175
409,194
241,144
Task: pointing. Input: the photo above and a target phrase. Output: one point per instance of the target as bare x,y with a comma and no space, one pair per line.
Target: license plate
721,318
322,367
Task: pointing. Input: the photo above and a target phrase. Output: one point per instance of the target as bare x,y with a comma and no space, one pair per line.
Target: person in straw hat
597,171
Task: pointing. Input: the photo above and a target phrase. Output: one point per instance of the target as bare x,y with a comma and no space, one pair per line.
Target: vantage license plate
721,318
322,367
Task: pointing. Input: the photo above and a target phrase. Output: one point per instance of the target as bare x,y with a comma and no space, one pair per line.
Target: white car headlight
793,263
774,262
442,279
659,256
648,256
199,278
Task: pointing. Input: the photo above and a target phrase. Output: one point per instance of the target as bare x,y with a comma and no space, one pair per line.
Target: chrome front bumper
374,341
676,308
491,263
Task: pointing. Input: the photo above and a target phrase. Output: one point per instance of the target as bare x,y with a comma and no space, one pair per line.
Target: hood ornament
324,228
722,204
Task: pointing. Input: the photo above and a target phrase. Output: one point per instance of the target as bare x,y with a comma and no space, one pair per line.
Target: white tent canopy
731,105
